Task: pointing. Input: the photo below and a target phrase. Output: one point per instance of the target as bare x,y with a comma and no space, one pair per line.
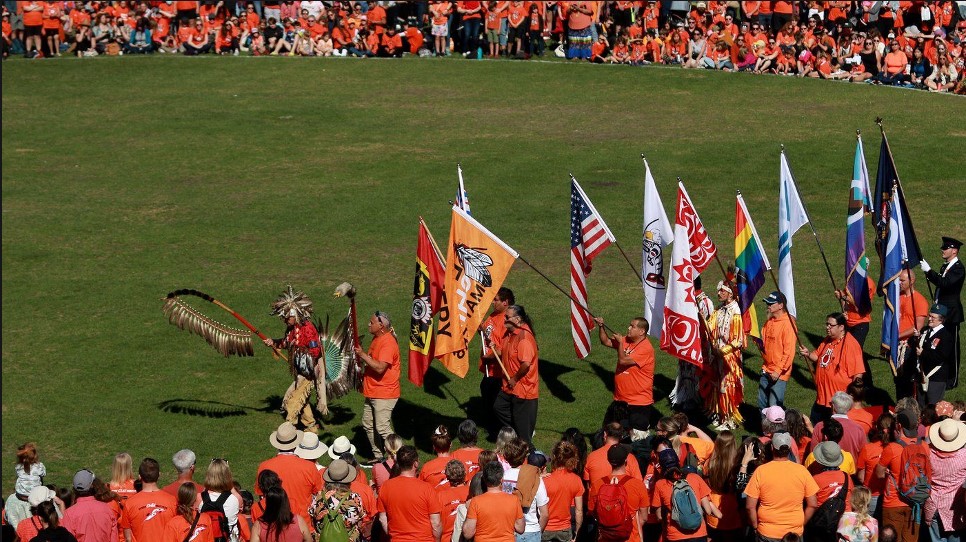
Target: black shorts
31,31
48,32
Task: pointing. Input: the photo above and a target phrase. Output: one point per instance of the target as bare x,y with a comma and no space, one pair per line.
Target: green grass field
124,179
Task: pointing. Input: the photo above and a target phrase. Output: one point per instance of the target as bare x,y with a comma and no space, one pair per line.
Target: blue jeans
471,33
769,393
936,534
528,537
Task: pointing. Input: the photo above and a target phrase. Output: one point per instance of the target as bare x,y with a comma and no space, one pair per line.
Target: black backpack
216,513
825,520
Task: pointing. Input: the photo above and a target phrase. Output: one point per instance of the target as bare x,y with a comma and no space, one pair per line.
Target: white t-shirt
232,507
540,499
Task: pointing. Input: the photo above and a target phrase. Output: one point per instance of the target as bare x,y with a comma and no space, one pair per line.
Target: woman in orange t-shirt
580,30
566,493
721,474
53,26
380,381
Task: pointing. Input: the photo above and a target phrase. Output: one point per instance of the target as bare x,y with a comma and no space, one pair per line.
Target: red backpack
613,512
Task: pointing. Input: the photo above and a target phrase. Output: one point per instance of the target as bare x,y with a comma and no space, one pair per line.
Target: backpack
825,521
331,526
913,483
689,459
216,513
685,511
613,512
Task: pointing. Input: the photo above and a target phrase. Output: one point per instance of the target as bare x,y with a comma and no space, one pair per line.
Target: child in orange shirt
620,54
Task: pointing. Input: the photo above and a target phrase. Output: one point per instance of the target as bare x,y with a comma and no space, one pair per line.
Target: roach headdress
292,303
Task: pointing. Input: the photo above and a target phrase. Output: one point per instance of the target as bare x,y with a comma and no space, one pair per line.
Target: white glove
925,266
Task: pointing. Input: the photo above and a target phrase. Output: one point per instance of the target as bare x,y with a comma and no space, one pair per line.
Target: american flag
588,237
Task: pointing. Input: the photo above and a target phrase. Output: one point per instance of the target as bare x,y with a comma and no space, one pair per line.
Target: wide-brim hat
828,454
948,435
341,446
286,437
311,447
340,471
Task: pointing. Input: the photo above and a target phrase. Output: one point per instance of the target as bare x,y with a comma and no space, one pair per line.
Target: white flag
791,217
657,235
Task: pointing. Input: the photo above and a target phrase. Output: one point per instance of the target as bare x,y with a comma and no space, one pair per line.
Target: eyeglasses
832,324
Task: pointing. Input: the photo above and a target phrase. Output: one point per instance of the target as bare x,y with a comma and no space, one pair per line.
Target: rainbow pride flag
750,266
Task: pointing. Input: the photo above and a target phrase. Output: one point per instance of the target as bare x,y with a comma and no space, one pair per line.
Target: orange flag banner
477,262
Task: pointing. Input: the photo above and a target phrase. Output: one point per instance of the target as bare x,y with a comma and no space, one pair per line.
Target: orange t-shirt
148,513
516,15
186,6
781,7
79,17
493,20
124,489
781,488
449,499
519,346
470,458
662,497
778,338
177,529
563,486
433,472
496,513
408,503
637,497
597,49
34,18
838,363
300,480
597,465
909,310
52,13
439,11
869,457
830,483
853,318
634,384
891,459
360,486
385,386
862,417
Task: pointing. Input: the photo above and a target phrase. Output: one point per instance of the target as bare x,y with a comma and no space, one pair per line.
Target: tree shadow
813,339
205,409
416,423
550,373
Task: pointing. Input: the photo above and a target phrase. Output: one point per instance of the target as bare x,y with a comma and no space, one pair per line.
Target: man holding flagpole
516,404
493,330
913,309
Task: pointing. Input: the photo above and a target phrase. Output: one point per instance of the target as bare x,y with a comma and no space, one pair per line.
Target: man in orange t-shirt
146,513
838,361
778,337
516,404
380,382
493,330
409,510
634,374
300,477
637,497
493,516
452,494
776,492
597,466
913,310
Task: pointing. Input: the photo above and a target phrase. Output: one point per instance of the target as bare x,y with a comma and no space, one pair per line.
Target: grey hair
841,402
183,460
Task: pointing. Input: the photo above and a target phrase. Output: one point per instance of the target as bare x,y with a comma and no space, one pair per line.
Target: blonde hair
122,470
861,497
392,444
218,477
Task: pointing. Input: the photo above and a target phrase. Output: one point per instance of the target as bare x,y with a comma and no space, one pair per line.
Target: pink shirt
91,520
948,475
853,436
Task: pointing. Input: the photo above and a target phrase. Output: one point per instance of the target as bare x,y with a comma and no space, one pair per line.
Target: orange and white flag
477,262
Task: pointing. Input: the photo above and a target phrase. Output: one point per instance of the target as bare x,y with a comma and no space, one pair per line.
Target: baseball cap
83,480
537,459
775,297
779,440
774,414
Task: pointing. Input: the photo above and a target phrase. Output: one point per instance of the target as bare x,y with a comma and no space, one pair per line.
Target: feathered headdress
292,303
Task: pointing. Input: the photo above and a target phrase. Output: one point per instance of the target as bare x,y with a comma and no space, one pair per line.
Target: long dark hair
187,495
47,511
278,513
522,313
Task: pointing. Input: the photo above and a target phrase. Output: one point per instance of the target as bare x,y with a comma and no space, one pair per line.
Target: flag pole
564,292
828,268
497,356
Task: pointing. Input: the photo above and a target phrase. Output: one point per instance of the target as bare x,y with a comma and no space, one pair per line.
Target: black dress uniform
949,287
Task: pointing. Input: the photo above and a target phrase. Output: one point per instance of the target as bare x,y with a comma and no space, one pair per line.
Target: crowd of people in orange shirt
908,43
775,486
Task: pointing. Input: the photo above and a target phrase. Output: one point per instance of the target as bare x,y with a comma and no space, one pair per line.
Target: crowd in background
843,478
907,43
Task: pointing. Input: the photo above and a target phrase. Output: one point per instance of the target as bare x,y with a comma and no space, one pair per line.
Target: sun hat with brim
40,494
828,454
341,446
311,447
286,438
948,435
340,472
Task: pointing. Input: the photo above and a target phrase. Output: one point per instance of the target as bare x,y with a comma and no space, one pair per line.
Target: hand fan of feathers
342,371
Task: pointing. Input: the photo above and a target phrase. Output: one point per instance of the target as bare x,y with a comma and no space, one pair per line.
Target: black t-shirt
58,534
273,32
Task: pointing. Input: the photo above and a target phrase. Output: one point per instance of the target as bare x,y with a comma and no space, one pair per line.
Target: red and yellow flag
477,262
427,294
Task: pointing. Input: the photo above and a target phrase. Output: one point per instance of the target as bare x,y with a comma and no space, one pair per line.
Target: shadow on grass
434,380
415,423
605,375
205,409
550,373
663,386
